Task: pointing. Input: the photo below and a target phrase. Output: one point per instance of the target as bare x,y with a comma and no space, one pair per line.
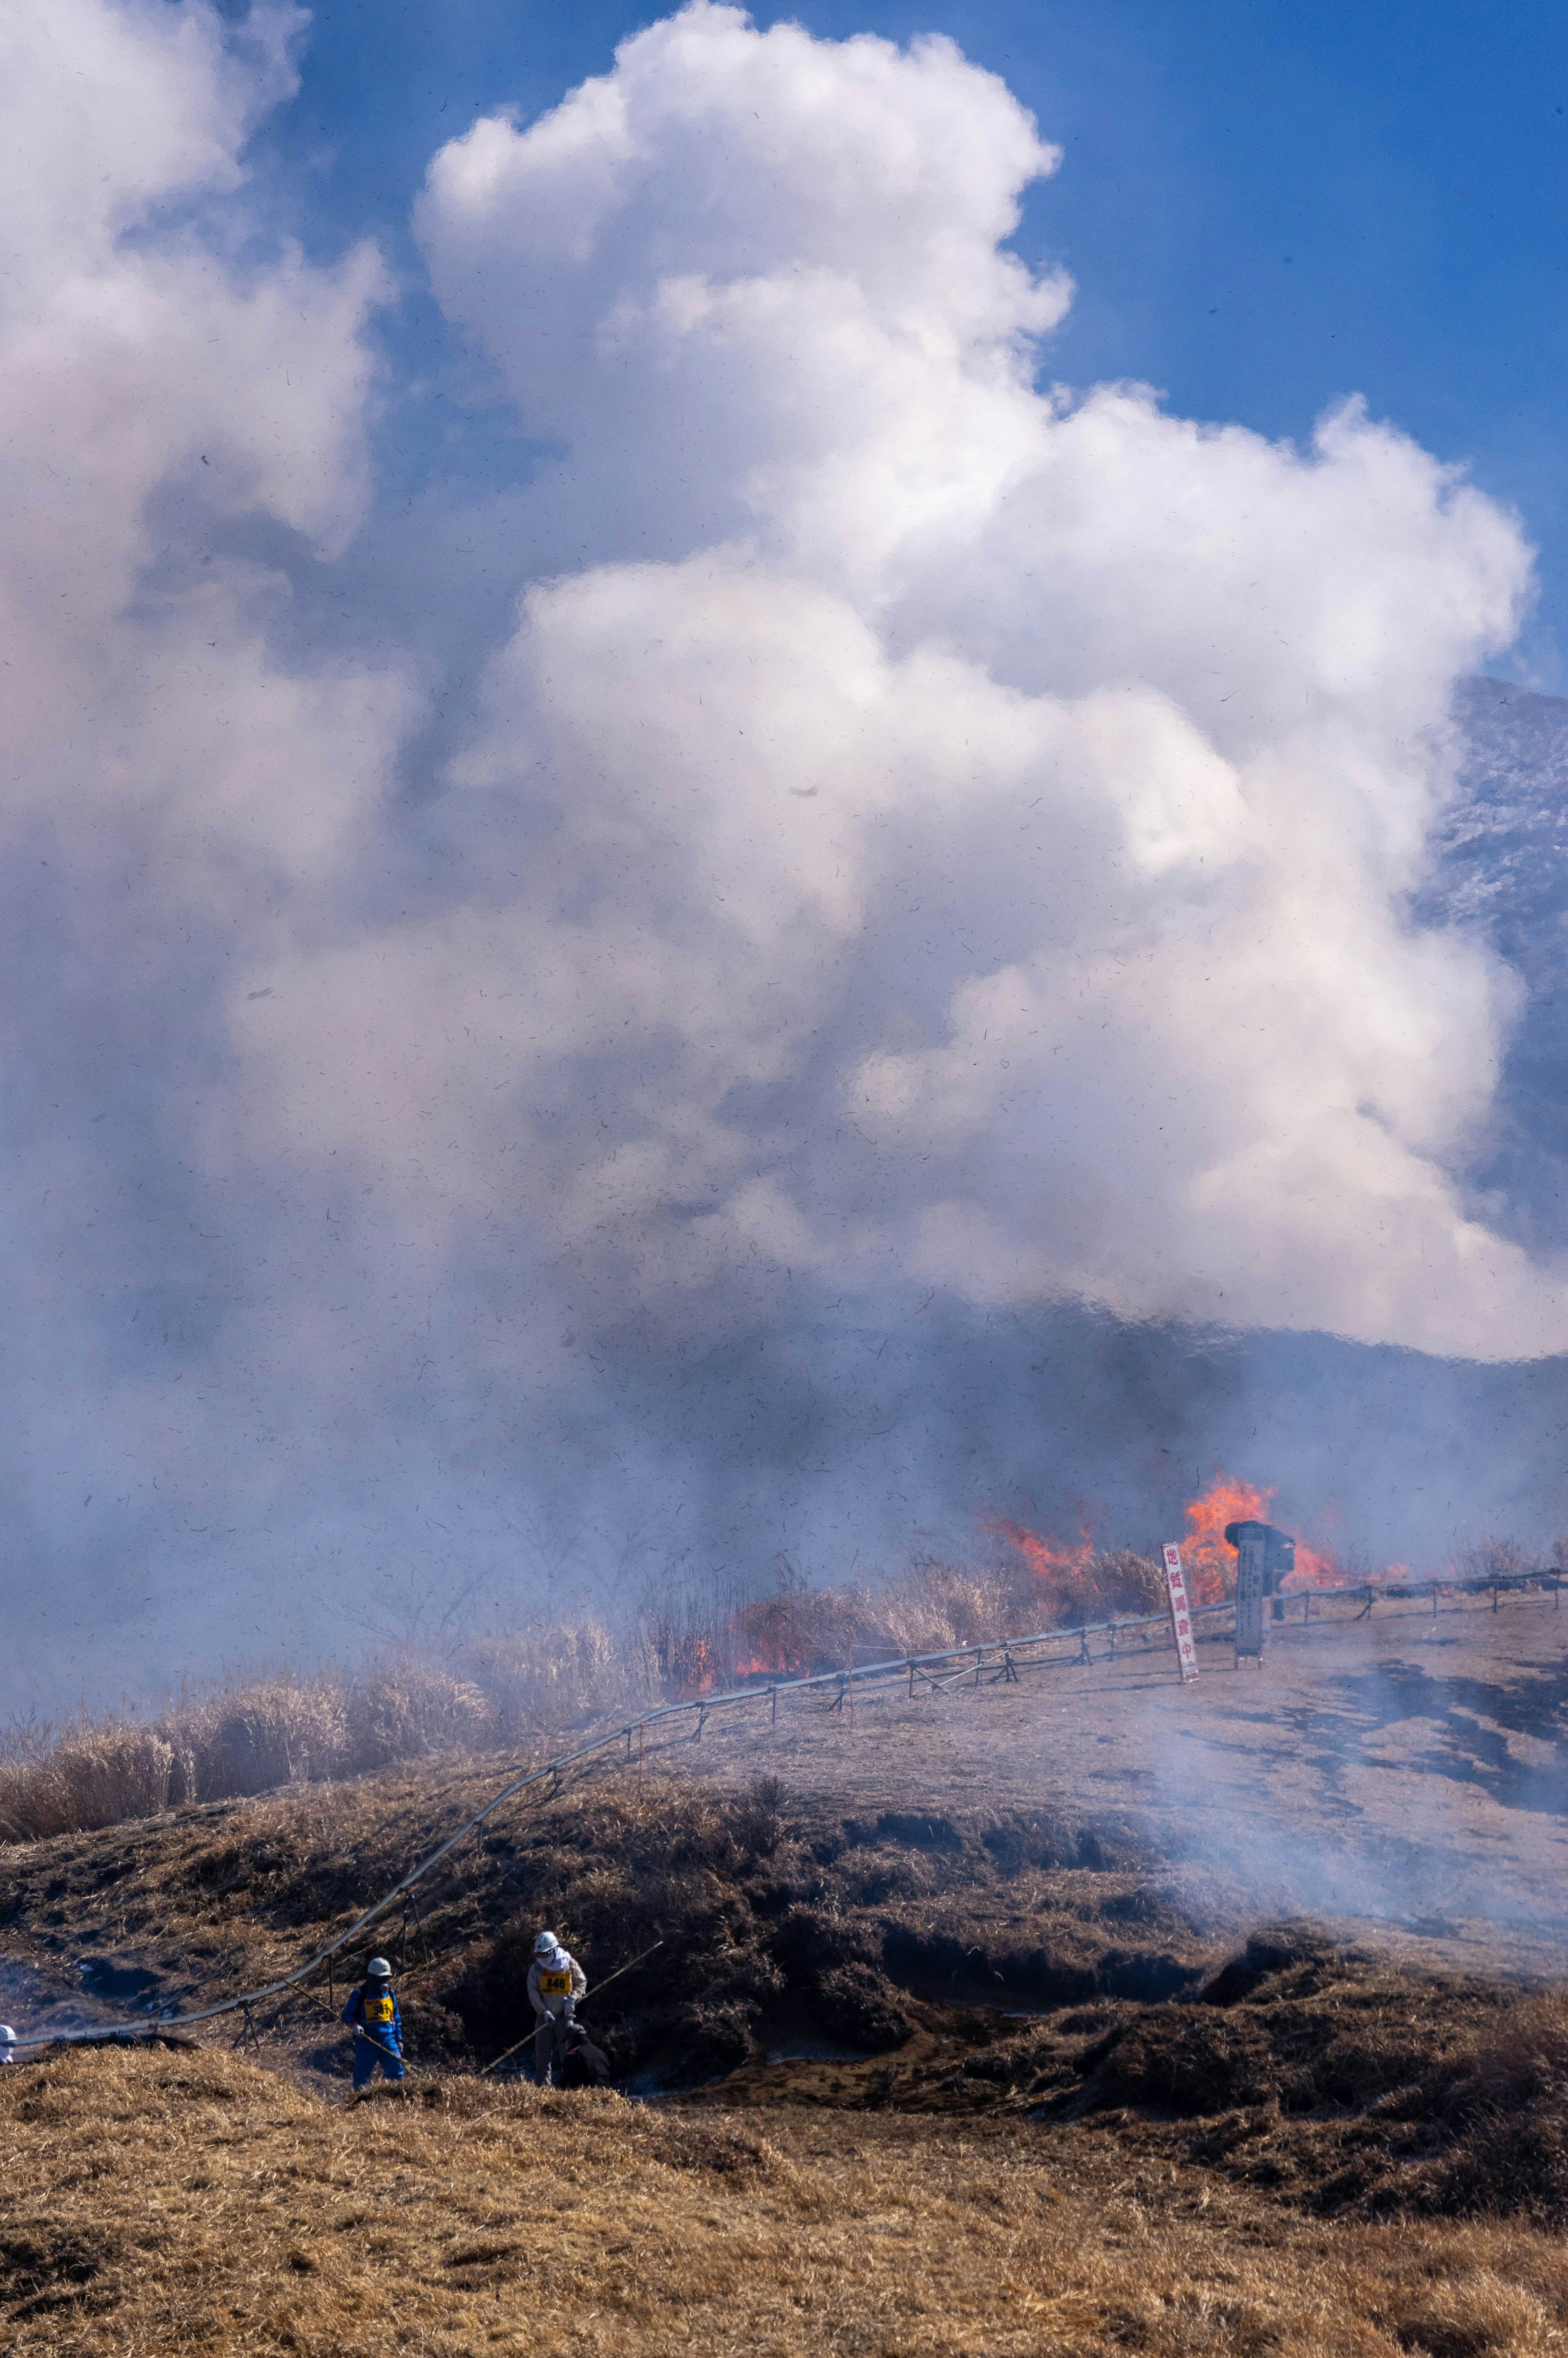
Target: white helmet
378,1970
7,2036
548,1944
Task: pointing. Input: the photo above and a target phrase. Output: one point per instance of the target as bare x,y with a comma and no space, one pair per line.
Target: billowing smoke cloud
978,847
175,799
931,857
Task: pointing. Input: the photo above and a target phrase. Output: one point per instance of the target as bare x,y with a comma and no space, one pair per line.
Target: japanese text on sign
1181,1615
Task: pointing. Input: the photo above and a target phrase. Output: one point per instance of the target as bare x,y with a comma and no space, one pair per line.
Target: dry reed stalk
256,1735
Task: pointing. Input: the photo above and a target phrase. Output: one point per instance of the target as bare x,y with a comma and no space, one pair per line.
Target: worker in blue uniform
377,2025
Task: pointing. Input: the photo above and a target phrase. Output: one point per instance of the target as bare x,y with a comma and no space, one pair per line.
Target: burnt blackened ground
1311,2072
779,1923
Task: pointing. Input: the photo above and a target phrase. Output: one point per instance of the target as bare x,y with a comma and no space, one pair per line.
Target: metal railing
991,1662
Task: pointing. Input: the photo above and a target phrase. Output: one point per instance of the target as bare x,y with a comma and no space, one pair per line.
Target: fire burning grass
1025,1584
166,2204
1079,1582
250,1735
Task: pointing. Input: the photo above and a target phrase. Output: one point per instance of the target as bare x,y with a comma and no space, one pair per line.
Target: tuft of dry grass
170,2204
255,1736
1503,2102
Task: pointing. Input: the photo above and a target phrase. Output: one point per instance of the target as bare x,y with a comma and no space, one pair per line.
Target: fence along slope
702,1707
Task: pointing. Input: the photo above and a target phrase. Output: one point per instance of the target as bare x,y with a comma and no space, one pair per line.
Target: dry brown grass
1216,2175
772,1914
252,1736
163,2203
1334,2078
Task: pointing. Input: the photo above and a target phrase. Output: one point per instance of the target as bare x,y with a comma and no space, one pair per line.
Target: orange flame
1207,1555
1064,1572
686,1662
768,1637
1315,1571
1209,1563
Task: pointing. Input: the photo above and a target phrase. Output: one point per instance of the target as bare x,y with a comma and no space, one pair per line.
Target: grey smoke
550,1046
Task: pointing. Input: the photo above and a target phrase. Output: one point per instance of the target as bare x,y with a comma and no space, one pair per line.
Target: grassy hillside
778,1918
957,2049
170,2203
993,1967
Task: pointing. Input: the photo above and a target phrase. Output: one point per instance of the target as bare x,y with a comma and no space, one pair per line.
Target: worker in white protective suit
555,1982
7,2043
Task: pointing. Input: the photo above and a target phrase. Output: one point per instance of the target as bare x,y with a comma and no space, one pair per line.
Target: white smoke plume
1021,793
929,848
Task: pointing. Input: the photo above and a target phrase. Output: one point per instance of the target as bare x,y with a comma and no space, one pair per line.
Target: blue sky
1265,208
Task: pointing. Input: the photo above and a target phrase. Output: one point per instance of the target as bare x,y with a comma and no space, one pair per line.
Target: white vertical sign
1250,1554
1180,1617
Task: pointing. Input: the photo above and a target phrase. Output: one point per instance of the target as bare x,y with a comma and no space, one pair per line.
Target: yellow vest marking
555,1984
